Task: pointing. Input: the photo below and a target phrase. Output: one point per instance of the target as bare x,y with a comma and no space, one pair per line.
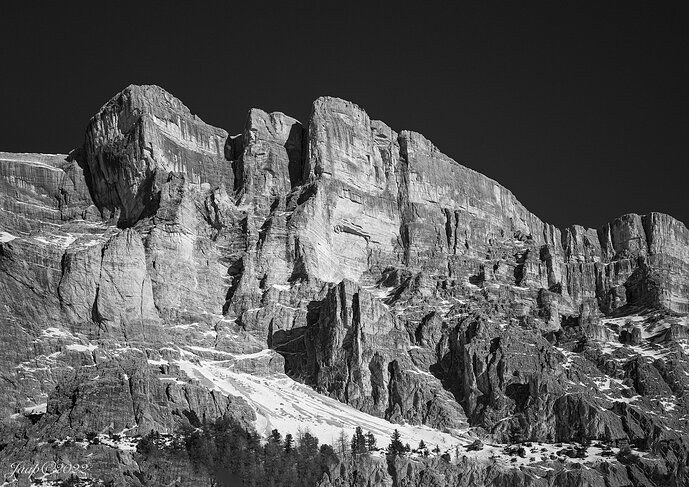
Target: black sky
580,108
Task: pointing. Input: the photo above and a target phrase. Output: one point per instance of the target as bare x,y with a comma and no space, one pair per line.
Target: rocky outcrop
37,190
357,352
270,164
348,224
137,139
123,393
468,472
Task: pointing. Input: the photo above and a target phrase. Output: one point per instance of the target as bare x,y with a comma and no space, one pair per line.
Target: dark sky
581,110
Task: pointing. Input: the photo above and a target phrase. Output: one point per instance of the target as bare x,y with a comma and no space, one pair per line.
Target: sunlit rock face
38,190
140,136
148,276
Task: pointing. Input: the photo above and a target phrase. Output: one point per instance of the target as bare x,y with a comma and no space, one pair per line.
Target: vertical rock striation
386,274
140,136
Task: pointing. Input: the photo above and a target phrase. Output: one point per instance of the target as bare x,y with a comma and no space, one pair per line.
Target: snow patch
568,357
668,404
649,352
77,347
36,409
6,237
207,349
284,404
123,443
54,332
684,344
281,287
158,362
59,240
263,353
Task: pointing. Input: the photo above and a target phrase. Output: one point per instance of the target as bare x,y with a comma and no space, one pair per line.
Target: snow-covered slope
289,406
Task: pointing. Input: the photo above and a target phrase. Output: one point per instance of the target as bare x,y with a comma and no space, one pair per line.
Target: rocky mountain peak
339,272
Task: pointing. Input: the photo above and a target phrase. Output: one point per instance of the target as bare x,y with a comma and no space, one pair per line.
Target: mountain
165,274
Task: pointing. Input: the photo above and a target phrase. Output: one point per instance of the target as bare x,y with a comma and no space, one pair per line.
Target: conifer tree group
361,443
216,449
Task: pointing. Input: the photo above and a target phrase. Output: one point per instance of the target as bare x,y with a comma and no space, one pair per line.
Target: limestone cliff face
351,225
42,189
141,135
270,164
358,352
384,274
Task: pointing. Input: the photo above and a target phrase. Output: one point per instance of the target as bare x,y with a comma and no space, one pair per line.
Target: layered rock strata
384,273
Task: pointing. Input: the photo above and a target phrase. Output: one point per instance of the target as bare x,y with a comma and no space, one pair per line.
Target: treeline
228,454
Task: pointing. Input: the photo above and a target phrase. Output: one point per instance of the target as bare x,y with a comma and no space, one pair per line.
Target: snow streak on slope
284,404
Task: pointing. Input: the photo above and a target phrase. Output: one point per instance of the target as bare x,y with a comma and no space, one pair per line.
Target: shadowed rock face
382,272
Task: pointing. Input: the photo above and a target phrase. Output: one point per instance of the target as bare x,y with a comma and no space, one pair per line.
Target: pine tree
359,442
202,452
342,445
308,445
272,461
370,441
422,445
396,447
327,454
307,460
289,443
275,437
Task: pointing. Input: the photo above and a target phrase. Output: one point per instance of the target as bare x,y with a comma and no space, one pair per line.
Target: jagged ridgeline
165,275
